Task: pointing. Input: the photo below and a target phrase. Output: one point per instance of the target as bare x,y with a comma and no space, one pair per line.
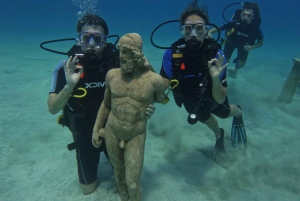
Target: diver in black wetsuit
197,64
78,87
243,33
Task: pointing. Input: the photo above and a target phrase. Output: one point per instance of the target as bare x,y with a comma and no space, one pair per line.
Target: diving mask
87,38
198,29
246,15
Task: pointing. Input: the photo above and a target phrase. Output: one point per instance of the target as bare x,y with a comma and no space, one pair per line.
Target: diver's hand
248,48
98,137
72,71
150,111
216,66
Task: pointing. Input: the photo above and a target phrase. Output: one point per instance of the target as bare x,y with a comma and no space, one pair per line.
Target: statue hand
150,111
98,137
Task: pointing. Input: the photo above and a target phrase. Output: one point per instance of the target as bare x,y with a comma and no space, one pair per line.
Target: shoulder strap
236,15
178,54
210,48
111,55
256,23
179,42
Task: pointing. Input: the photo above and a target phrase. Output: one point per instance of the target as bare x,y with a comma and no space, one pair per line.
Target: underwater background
179,161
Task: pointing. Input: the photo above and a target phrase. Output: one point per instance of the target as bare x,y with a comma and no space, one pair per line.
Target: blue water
51,19
44,20
278,17
26,79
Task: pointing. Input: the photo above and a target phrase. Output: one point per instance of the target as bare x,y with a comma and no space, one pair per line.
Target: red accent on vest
182,66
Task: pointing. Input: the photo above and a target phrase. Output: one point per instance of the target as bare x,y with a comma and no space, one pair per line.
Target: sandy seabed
180,162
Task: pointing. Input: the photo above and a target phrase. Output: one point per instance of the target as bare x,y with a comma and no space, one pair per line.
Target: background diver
243,33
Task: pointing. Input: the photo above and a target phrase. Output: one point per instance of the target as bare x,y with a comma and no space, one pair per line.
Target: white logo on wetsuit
94,84
242,34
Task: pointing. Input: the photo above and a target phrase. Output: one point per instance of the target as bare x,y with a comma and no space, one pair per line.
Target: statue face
127,63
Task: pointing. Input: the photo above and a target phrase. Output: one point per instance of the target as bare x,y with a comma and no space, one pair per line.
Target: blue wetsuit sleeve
58,79
166,69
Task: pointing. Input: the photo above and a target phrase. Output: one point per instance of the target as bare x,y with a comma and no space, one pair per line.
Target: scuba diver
77,89
242,32
197,65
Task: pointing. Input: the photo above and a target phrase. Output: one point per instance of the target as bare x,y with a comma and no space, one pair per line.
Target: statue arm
105,107
103,112
160,89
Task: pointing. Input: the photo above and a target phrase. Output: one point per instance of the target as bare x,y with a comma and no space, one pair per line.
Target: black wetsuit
81,113
188,92
238,35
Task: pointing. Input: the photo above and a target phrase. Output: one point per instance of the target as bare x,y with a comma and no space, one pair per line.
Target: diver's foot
88,188
219,146
232,73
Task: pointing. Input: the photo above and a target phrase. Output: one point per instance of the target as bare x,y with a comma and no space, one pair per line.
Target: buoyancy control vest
191,70
93,82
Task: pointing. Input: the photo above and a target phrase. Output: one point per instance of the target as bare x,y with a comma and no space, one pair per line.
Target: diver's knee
210,120
224,115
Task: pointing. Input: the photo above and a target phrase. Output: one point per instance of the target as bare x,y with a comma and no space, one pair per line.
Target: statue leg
134,160
116,157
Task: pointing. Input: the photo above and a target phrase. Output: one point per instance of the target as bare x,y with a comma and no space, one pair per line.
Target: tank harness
186,66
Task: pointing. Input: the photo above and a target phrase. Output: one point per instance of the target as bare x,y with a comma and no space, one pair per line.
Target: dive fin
238,132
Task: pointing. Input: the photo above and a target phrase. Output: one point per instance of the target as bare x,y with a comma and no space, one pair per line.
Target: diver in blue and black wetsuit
197,64
78,90
78,86
244,33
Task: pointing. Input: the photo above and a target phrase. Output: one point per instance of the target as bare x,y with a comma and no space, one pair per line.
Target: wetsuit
188,92
238,35
80,113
